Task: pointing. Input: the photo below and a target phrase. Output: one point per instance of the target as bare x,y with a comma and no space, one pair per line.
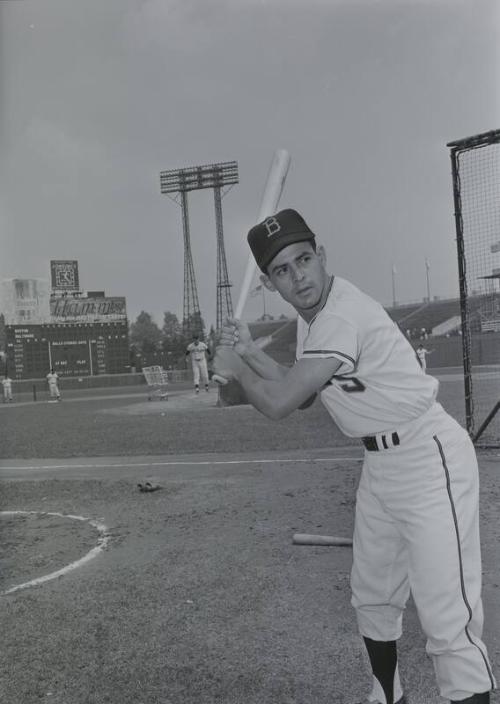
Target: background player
7,389
198,351
416,524
422,353
52,380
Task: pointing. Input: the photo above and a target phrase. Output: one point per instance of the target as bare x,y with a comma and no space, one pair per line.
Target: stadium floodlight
194,178
220,177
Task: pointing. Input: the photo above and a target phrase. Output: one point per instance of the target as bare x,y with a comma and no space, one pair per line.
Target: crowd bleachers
283,334
265,328
426,315
413,317
404,312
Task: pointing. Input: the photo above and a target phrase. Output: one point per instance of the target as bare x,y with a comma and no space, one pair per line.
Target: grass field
199,595
110,422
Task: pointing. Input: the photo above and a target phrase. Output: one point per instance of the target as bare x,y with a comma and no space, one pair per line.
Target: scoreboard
75,333
72,349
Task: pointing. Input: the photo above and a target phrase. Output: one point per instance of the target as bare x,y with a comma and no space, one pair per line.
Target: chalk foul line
174,463
102,541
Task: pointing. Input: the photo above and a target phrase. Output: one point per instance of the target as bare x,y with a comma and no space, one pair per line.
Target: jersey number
354,385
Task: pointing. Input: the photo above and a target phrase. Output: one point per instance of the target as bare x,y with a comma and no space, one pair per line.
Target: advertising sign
25,301
88,310
64,275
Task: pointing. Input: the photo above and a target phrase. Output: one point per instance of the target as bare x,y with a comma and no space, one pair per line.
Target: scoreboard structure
75,333
71,349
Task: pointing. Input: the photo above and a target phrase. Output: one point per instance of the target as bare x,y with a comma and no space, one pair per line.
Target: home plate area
39,546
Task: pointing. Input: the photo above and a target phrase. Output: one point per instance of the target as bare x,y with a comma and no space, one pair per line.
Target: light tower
217,176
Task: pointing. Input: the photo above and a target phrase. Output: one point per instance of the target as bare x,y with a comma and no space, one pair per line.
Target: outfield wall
448,350
96,382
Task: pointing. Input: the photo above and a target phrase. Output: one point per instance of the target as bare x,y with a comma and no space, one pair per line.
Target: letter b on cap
272,226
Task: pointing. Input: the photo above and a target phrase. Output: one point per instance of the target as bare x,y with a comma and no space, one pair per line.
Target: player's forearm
269,396
262,364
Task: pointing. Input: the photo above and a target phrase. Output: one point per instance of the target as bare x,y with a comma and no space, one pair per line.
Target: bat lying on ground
308,539
272,193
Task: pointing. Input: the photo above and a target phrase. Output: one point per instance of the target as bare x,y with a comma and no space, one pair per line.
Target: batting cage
476,190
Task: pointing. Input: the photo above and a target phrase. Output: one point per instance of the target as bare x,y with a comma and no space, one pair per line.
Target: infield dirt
201,597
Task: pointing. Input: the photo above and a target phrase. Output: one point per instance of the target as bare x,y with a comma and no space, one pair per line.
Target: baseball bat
272,192
307,539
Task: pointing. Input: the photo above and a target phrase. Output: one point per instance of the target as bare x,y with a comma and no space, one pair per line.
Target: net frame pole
487,421
462,280
457,148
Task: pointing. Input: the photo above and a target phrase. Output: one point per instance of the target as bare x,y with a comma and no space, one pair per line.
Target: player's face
298,273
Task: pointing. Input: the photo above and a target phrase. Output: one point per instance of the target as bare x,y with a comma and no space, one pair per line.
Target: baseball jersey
197,351
7,384
380,384
52,378
421,354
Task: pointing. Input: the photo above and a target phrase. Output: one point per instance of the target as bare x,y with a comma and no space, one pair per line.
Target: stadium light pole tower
220,177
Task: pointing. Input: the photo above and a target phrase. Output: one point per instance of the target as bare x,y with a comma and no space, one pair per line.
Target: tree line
150,344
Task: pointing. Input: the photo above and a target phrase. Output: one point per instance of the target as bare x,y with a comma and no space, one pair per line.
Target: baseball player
7,389
198,352
422,353
52,380
416,521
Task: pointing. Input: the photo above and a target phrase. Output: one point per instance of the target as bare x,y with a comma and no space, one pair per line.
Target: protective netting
477,204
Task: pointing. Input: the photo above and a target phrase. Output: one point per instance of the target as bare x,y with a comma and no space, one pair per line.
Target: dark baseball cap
270,236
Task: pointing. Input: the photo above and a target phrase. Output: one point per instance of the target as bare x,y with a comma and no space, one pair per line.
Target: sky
98,97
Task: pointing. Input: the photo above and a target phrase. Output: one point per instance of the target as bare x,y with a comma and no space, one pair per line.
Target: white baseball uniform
7,389
422,353
416,523
197,351
53,386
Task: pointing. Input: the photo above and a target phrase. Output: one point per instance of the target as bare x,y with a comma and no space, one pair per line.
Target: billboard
64,275
88,310
25,301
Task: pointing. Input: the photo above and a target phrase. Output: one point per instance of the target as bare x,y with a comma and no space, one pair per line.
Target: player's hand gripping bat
272,192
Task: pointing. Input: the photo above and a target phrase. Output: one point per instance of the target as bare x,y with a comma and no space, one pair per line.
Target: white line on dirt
175,463
102,541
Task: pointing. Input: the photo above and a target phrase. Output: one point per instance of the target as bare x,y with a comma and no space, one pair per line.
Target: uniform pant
54,391
200,370
417,529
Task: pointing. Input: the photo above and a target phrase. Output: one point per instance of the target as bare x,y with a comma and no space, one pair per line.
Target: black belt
388,440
